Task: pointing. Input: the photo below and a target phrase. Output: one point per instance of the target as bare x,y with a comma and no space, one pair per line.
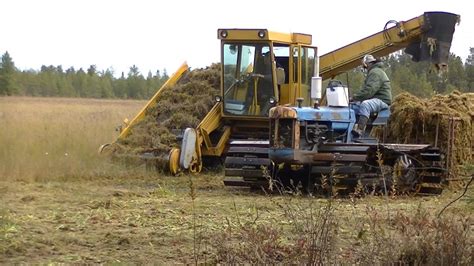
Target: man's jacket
376,85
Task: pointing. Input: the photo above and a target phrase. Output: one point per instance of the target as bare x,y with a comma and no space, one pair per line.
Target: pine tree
469,69
470,57
136,86
456,74
106,88
8,85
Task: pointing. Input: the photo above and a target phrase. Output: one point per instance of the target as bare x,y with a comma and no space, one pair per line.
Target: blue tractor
315,149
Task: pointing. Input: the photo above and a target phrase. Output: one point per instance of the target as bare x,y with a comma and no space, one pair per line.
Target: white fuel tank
337,96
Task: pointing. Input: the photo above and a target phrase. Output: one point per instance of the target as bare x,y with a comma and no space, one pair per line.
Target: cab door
294,74
302,66
307,65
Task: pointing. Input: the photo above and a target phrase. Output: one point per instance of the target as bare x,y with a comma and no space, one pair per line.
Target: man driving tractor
375,94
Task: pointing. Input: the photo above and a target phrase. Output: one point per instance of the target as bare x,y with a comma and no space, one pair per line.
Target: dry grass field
50,138
60,202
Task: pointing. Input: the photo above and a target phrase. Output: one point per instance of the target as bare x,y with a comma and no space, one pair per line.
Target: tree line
419,79
54,81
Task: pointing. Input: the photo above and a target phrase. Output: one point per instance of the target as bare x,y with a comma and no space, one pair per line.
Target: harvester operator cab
261,69
248,79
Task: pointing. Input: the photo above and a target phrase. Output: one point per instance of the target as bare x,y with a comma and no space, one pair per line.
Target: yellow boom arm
390,40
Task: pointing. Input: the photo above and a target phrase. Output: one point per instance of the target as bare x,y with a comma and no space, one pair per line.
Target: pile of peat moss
178,107
416,121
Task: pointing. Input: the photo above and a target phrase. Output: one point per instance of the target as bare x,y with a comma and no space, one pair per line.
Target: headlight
223,33
261,34
218,98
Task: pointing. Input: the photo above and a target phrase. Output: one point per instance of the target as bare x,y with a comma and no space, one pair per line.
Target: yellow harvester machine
262,70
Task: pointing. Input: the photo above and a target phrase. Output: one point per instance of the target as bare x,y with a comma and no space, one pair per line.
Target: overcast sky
163,34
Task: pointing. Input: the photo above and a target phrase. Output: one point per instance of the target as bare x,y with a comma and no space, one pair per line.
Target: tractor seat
379,118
